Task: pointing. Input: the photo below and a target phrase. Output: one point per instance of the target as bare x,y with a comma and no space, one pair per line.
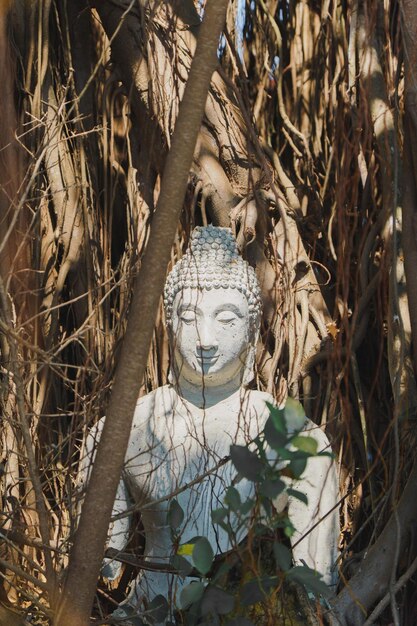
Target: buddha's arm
315,541
119,529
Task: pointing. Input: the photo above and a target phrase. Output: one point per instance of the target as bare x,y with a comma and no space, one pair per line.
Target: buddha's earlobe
249,369
173,373
248,372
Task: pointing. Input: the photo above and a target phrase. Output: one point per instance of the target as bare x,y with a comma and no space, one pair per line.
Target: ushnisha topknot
213,261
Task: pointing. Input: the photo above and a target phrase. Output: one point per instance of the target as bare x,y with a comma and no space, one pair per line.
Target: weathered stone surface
182,431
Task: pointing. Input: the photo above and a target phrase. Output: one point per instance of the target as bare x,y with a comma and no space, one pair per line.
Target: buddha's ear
174,367
172,375
171,378
249,370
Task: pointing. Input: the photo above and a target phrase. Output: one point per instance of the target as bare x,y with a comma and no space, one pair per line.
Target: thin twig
27,438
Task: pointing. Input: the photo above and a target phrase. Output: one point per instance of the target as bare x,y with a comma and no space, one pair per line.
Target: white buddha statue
184,429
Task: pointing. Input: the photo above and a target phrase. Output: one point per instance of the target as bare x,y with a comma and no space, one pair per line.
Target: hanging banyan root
243,218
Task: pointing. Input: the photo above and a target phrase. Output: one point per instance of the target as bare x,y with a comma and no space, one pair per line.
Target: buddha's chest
184,455
182,448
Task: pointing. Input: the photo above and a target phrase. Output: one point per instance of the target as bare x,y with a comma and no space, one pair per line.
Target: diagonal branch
88,549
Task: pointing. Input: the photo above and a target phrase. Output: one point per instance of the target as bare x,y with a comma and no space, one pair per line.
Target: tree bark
88,549
409,28
373,579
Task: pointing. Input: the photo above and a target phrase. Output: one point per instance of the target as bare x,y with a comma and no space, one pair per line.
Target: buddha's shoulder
257,401
156,403
316,432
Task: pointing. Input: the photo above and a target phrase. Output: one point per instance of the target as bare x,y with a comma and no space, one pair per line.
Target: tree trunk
87,552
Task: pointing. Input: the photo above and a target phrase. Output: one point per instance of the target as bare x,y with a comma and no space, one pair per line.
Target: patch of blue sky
239,26
240,23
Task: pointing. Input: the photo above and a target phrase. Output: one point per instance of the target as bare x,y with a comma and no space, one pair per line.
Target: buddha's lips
207,359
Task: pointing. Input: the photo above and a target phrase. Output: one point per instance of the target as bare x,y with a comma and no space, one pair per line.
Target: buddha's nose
206,337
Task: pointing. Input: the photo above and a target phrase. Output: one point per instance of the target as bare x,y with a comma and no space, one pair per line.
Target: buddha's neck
205,397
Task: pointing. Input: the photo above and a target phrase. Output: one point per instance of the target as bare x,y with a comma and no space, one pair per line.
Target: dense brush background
301,152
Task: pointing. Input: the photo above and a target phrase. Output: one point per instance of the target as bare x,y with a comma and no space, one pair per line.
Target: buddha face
211,335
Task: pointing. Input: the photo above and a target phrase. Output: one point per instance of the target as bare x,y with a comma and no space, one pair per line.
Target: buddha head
213,310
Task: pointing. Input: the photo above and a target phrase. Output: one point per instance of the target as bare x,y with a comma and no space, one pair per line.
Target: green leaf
158,608
191,594
218,515
175,515
246,462
286,455
324,453
217,601
181,564
289,455
299,495
274,437
224,569
240,621
282,556
232,499
267,506
271,488
306,444
310,579
203,555
297,467
278,418
294,414
131,613
247,506
257,589
260,448
186,549
289,529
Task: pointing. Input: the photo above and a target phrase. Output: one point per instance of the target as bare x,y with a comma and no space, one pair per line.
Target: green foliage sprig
272,462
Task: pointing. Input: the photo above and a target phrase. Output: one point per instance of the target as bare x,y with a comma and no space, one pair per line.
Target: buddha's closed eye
188,317
226,317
